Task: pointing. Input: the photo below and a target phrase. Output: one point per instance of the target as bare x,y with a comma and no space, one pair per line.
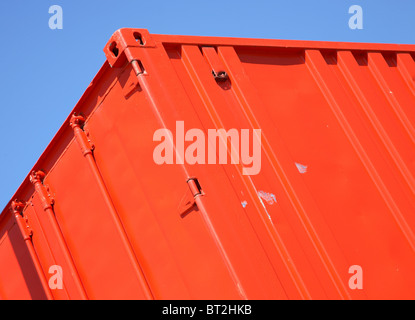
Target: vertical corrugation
375,63
349,68
406,67
205,216
279,245
287,185
48,247
322,76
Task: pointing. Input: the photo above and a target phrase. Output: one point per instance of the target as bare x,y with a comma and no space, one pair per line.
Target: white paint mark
301,167
268,197
269,217
244,203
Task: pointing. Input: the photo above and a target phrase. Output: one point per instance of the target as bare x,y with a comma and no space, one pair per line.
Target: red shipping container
327,212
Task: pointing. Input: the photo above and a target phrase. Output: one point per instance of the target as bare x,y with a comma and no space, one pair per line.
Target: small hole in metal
220,75
138,38
113,48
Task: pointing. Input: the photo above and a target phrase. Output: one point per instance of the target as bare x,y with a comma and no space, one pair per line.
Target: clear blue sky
45,72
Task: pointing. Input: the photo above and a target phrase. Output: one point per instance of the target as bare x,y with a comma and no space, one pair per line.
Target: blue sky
45,72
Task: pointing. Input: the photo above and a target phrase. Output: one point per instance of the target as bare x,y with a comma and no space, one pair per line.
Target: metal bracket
117,49
188,201
195,187
218,68
22,222
18,206
77,124
36,178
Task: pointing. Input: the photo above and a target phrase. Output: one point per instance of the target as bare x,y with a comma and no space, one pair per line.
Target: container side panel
180,256
153,206
313,115
90,233
218,107
18,277
382,122
225,215
47,250
366,204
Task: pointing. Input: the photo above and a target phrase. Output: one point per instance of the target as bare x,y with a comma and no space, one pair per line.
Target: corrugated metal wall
335,192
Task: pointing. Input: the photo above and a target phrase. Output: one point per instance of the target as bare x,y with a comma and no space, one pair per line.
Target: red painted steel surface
336,186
